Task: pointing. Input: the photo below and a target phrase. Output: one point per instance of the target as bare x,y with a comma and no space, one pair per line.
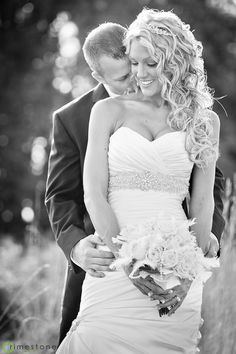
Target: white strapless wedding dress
146,179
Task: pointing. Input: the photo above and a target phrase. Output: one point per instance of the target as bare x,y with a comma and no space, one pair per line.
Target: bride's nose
141,72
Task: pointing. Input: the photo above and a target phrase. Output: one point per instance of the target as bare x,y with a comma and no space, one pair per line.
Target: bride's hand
149,287
179,293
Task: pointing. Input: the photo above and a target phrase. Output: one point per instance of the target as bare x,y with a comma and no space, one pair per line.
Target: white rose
169,258
139,248
188,265
154,255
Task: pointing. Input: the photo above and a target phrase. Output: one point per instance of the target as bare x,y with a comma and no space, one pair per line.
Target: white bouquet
167,248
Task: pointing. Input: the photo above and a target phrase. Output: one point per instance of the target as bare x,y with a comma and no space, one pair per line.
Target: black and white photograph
118,176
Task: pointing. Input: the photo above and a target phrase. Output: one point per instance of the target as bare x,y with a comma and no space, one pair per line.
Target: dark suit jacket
64,194
64,191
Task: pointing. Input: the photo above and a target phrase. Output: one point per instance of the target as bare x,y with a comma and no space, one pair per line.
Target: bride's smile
143,67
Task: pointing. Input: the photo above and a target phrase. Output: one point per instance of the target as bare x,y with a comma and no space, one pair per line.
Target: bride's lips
145,83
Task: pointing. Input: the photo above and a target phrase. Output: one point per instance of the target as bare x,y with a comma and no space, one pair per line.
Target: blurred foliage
30,294
219,329
42,68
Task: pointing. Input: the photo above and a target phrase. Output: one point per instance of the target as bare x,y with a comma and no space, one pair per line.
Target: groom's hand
213,246
92,260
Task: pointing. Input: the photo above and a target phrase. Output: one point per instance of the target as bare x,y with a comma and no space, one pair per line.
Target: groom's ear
97,77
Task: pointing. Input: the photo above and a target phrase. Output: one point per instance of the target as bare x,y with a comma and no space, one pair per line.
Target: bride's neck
157,100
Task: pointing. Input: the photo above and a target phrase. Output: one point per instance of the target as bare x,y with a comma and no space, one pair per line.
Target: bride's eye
152,65
133,63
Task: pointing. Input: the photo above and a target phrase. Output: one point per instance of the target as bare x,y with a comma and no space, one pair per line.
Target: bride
142,149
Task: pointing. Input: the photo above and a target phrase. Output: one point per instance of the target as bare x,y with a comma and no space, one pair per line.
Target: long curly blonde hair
180,70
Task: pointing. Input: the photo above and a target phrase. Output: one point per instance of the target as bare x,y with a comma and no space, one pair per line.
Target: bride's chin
150,93
147,92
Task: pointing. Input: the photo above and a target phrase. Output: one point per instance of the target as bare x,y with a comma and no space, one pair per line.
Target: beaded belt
146,181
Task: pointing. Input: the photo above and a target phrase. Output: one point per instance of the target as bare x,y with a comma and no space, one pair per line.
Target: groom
105,54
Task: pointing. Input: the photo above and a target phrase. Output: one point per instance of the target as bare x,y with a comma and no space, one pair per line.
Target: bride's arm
202,197
95,179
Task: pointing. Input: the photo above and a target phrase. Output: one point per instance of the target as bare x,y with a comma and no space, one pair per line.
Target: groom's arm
64,190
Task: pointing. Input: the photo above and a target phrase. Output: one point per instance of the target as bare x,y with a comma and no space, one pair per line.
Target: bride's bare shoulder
107,112
109,105
113,110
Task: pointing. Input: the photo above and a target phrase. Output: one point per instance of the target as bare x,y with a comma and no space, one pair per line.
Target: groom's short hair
106,39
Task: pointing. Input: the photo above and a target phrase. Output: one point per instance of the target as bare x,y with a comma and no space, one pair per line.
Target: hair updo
180,69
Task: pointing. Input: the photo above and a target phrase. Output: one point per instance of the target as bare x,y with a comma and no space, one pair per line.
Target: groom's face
115,73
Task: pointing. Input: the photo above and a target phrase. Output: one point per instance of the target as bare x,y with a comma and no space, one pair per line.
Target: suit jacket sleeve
218,220
64,190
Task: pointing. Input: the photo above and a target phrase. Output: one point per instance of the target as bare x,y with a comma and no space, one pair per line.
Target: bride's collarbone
147,131
149,122
149,128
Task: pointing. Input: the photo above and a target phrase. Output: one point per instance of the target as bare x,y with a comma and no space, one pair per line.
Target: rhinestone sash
147,180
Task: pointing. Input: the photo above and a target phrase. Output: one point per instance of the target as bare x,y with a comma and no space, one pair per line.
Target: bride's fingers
161,297
174,308
185,285
180,293
156,297
172,302
157,290
140,286
182,290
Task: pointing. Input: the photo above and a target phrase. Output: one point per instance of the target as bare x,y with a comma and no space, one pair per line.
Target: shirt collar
110,93
99,93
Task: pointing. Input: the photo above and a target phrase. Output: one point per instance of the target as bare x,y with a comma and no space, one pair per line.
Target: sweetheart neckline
143,137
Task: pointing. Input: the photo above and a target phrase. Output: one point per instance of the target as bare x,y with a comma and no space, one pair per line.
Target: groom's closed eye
123,78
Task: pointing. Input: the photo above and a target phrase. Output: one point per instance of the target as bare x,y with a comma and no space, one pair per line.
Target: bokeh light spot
28,8
70,47
68,30
7,216
27,214
38,155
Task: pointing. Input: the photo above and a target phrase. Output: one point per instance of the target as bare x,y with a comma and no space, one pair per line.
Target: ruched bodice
147,178
129,151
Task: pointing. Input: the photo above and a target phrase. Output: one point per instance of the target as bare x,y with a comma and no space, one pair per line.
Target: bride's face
144,69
